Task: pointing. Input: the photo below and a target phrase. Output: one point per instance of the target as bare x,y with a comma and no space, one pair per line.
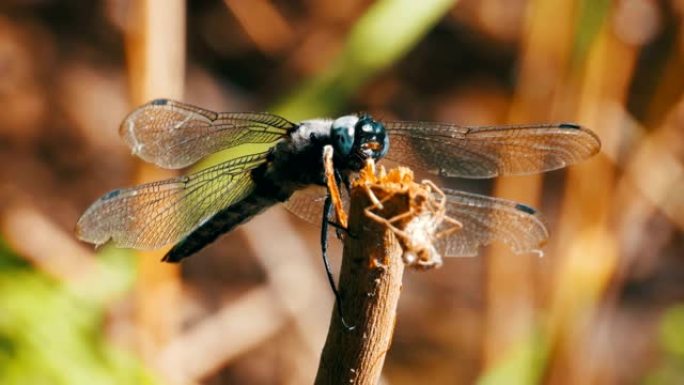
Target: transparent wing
486,219
308,204
485,152
171,134
155,214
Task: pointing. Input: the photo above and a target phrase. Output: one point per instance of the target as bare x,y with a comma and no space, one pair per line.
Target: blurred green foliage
51,332
387,31
671,368
592,17
524,364
672,331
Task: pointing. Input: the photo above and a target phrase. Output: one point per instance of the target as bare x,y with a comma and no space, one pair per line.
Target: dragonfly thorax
357,138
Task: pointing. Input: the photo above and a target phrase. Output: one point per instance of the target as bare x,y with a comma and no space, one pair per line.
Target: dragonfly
192,211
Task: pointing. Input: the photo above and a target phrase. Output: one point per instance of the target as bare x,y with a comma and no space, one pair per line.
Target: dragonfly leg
332,185
341,230
344,181
327,207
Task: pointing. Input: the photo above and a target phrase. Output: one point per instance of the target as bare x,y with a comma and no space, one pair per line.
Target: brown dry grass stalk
155,48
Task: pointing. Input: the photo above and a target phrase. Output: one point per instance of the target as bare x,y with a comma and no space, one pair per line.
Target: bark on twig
370,284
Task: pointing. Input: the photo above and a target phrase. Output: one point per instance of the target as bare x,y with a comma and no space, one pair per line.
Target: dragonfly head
357,138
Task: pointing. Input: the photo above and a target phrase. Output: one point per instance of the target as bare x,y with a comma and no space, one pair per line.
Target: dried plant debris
422,225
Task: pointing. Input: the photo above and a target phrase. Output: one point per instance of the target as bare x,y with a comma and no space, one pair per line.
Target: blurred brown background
605,305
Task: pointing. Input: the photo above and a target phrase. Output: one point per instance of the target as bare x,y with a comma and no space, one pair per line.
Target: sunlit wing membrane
486,219
307,203
485,152
155,214
171,134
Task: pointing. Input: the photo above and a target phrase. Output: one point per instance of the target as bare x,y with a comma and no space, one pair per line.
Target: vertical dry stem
155,45
370,284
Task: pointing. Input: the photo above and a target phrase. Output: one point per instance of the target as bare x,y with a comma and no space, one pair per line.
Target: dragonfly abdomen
273,184
222,222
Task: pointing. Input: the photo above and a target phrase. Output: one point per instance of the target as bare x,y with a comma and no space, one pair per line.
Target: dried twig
371,274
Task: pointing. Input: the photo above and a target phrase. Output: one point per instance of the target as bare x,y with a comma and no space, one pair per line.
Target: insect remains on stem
424,223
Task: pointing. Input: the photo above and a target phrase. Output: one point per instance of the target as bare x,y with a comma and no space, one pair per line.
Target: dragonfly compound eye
371,137
342,134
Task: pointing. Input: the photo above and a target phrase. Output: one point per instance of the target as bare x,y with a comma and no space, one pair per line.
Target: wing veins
129,216
488,151
184,197
486,214
174,135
